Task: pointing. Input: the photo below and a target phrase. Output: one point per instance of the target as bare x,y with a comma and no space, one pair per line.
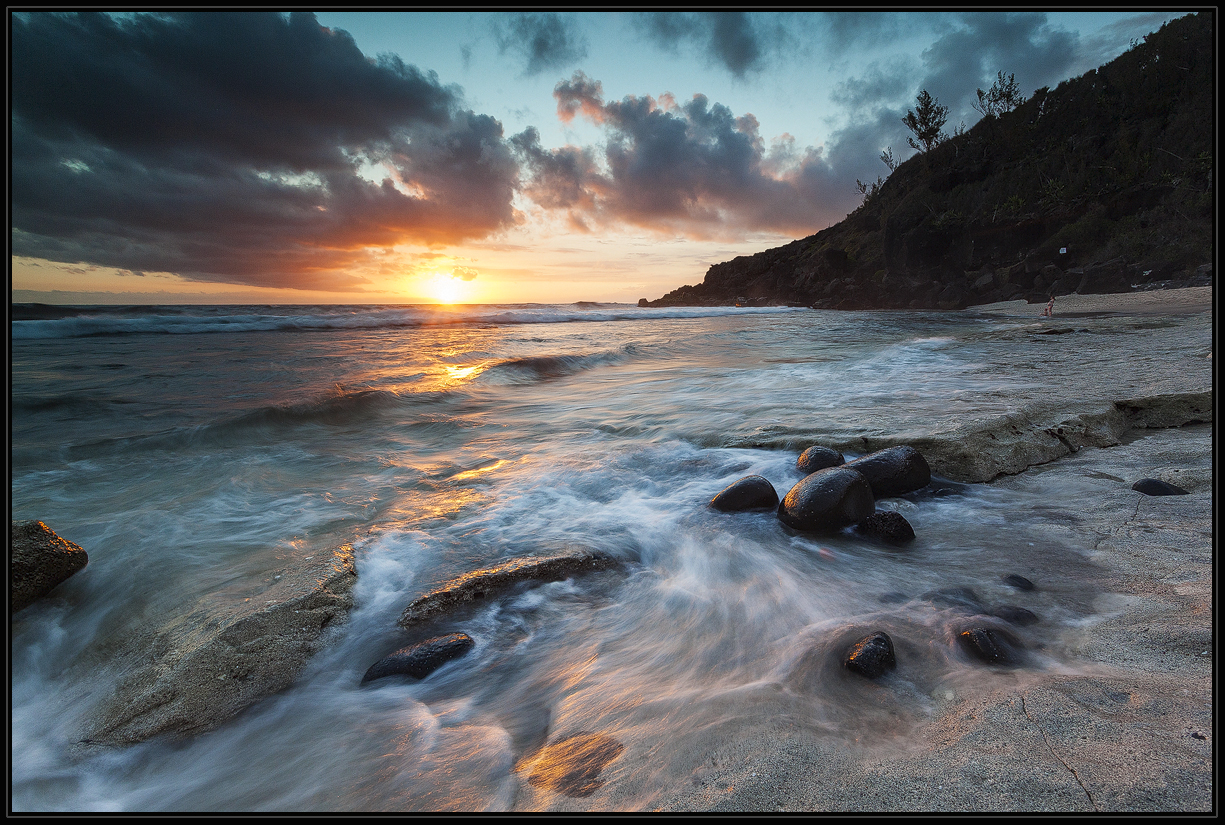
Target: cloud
544,40
741,43
693,169
464,273
243,148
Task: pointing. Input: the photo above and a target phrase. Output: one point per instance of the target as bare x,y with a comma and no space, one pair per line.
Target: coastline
1120,720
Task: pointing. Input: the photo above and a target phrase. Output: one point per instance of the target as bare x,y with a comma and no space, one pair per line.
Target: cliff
1103,184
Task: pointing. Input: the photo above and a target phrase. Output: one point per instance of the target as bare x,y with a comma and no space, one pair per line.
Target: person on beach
1050,308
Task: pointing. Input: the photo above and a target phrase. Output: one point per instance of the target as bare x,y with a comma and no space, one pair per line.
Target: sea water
195,450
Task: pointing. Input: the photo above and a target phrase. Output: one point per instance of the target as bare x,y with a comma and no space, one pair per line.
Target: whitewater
197,450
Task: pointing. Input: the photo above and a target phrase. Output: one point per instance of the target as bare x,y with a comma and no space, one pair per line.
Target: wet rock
960,597
420,660
818,458
38,561
481,584
224,654
1157,487
1015,615
828,499
893,471
1019,582
889,526
749,493
871,656
572,765
989,645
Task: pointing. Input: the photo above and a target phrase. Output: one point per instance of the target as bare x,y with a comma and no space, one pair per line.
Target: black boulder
894,470
420,660
1156,487
828,499
818,458
871,656
749,493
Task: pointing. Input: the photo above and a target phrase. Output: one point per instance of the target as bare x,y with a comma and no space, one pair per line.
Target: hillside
1103,184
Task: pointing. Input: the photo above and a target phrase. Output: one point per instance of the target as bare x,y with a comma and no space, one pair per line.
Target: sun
445,289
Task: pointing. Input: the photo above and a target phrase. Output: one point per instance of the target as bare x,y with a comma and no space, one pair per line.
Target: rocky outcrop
1005,445
489,582
827,500
38,561
1100,185
749,493
220,657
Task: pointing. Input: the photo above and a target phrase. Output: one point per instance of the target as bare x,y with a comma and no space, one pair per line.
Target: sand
1153,302
1120,720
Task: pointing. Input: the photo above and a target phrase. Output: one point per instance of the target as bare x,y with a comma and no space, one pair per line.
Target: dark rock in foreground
827,500
989,645
481,584
894,470
572,765
871,656
749,493
1019,582
38,561
818,458
889,526
1157,487
420,660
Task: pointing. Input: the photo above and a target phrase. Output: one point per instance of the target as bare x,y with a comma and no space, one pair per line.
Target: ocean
194,450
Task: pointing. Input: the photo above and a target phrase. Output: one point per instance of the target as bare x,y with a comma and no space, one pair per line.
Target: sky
477,157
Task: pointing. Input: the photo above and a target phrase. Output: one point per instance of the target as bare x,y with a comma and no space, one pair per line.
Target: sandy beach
1152,302
1119,719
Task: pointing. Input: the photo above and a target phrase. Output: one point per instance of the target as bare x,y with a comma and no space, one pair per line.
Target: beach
208,457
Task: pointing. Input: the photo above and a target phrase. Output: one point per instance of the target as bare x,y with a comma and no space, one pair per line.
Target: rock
38,561
894,470
1015,615
871,656
420,660
889,526
818,458
642,302
1157,487
749,493
989,645
572,765
481,584
212,662
1019,582
828,499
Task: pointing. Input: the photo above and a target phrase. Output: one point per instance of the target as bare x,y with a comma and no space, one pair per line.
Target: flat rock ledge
980,451
210,663
481,584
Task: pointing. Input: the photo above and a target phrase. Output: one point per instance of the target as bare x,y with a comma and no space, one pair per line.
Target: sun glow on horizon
446,289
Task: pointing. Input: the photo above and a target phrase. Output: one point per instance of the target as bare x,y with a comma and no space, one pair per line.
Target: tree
926,120
887,159
1004,96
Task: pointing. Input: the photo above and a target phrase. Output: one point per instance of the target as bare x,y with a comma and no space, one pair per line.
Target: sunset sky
477,157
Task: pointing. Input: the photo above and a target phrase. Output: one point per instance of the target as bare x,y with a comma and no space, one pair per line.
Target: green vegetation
926,120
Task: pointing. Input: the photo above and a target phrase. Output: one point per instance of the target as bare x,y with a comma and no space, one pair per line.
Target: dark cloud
693,168
969,55
544,40
230,147
740,42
